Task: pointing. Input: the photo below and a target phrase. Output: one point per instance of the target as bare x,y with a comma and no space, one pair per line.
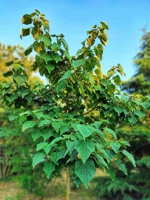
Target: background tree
140,82
16,148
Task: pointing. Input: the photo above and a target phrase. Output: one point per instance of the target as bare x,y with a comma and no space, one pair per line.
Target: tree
79,107
140,82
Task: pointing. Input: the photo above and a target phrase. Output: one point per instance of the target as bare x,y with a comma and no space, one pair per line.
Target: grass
56,191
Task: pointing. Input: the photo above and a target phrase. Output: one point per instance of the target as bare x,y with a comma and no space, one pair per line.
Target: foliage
79,107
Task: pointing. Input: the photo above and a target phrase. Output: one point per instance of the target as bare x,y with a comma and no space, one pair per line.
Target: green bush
16,157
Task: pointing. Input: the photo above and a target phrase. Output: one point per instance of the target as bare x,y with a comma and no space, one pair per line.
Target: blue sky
73,18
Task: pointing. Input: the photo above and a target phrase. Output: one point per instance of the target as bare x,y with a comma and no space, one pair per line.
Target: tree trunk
68,186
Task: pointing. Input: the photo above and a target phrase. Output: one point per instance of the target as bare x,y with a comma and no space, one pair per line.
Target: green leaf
28,124
65,45
66,75
46,40
53,156
145,105
28,50
115,146
44,122
121,166
37,158
41,145
13,117
117,79
101,150
104,25
9,73
20,79
56,140
61,154
61,85
84,148
36,135
132,119
97,124
26,19
47,56
110,154
124,143
129,156
47,134
85,130
48,168
139,113
25,32
68,56
118,109
55,47
50,67
78,63
64,129
110,131
57,57
47,148
101,161
85,171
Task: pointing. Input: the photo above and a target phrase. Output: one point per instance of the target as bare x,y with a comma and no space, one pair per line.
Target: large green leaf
85,130
85,171
48,168
28,124
37,158
84,148
129,156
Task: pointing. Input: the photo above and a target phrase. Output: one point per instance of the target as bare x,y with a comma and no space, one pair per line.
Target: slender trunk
68,188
